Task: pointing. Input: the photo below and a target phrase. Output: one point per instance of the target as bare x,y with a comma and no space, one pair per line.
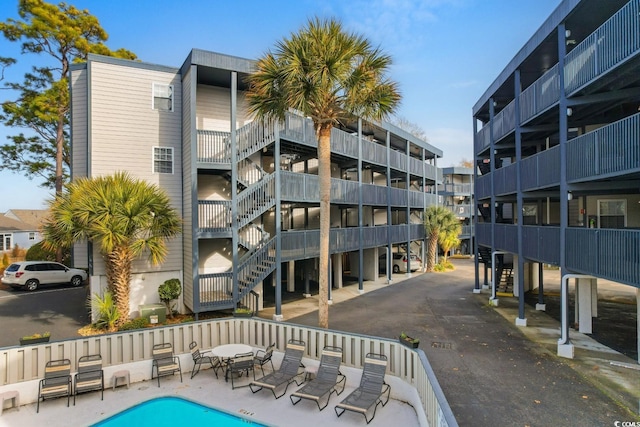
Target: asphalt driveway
60,310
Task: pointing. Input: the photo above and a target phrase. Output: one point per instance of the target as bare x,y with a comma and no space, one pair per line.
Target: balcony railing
455,189
506,179
506,237
300,244
610,150
541,170
504,121
213,146
214,215
483,138
541,243
613,254
25,365
540,95
610,45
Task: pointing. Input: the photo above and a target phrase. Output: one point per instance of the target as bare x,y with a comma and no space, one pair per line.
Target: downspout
521,320
361,231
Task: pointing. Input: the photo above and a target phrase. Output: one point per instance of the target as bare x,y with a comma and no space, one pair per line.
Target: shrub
439,268
139,323
107,311
38,253
169,291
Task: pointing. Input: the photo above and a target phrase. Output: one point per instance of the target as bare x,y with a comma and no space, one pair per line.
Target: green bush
38,253
139,323
439,268
168,291
107,311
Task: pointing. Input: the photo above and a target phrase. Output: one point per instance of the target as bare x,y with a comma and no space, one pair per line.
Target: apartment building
456,194
557,150
247,191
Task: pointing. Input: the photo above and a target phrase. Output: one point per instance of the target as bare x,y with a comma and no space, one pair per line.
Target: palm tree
123,216
328,75
449,240
438,221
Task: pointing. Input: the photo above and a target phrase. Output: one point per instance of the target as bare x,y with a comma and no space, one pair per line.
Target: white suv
31,274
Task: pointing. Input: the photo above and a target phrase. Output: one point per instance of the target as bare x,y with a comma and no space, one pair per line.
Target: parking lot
58,309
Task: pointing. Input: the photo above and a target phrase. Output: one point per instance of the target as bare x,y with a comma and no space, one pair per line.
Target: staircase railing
255,268
256,200
252,237
254,136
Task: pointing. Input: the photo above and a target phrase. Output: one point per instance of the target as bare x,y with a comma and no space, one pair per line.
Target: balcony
301,244
605,49
455,189
613,254
607,152
541,244
541,170
460,211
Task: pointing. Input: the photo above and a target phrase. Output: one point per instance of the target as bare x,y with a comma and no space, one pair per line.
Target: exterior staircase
255,196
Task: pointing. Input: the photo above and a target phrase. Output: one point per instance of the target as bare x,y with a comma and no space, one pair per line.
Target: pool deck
205,389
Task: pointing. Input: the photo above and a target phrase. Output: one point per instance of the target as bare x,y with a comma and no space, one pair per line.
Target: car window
397,256
13,267
56,267
32,267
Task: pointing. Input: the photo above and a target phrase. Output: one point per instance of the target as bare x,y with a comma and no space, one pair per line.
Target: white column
584,305
370,267
516,274
291,277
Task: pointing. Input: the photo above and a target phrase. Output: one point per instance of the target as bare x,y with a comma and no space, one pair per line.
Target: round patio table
228,351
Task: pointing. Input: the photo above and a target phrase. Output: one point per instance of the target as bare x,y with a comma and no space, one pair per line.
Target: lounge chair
240,364
90,376
263,357
200,357
372,388
56,381
287,372
164,362
327,380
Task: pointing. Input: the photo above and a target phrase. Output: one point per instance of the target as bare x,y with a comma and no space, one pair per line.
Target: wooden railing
26,363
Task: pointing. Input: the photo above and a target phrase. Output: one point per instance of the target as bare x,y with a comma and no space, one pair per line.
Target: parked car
399,263
30,275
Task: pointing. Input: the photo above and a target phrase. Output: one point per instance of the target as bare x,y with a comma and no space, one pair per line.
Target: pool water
172,412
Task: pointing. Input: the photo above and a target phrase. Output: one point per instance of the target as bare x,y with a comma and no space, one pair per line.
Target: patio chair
164,362
199,357
56,381
263,357
371,390
287,372
90,376
326,382
240,364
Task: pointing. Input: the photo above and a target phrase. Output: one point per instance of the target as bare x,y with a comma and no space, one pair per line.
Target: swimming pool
171,412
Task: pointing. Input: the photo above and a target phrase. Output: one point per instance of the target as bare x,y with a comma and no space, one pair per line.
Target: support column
291,276
540,305
307,278
337,270
584,304
565,347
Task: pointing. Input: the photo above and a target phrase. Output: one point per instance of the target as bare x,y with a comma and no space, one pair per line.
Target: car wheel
31,285
396,269
76,281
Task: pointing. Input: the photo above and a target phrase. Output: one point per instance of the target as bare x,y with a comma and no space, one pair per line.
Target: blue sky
445,52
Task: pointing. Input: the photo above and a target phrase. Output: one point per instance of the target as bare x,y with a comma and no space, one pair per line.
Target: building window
32,235
6,242
162,160
162,97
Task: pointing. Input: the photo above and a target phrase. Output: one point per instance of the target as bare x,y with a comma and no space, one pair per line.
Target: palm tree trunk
324,178
431,251
118,266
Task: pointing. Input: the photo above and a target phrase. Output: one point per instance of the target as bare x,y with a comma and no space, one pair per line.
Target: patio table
228,351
